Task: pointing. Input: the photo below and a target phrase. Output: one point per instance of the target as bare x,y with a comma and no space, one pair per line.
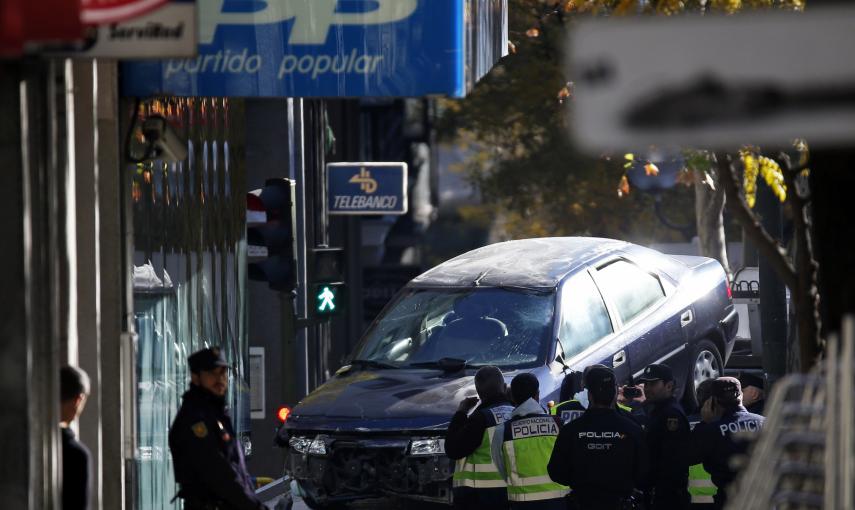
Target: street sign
167,29
367,188
714,81
332,48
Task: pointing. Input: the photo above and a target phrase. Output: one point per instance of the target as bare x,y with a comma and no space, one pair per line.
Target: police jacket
600,453
207,457
667,443
714,444
465,433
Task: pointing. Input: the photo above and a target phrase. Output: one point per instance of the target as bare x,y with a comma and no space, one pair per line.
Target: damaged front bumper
341,468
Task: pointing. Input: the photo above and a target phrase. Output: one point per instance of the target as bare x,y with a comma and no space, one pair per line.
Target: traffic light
327,287
270,226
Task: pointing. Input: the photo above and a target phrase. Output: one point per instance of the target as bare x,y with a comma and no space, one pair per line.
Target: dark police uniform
667,442
207,457
601,455
667,432
714,444
476,481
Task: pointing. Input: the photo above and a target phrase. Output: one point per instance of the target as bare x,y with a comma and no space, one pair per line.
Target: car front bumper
355,468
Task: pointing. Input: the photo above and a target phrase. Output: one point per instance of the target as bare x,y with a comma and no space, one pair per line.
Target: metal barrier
804,458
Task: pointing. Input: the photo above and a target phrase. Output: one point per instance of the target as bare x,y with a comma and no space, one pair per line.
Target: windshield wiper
373,363
445,364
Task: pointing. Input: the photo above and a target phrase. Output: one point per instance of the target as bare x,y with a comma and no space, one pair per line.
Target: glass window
584,318
486,326
630,288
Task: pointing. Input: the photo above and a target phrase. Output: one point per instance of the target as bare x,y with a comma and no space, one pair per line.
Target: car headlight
306,445
428,446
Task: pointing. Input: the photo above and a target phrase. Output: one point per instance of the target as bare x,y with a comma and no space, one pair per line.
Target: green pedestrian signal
328,298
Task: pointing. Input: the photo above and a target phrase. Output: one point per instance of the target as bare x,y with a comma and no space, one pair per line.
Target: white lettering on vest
532,427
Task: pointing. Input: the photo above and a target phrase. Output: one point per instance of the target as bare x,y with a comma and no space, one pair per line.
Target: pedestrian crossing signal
328,298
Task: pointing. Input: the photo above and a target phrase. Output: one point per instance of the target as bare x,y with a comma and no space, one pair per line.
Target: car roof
529,263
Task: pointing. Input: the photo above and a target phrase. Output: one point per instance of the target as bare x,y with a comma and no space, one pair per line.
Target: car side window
632,289
584,317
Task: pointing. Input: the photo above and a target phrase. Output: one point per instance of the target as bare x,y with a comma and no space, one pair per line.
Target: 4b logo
312,18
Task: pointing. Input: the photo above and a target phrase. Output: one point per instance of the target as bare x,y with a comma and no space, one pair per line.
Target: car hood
379,400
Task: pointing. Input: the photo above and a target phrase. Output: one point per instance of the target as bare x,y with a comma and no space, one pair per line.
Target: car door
586,331
648,327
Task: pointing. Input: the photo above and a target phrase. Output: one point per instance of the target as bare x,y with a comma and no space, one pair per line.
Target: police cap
656,372
727,389
206,359
599,378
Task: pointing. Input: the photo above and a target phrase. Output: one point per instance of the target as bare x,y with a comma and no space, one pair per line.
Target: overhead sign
328,48
367,188
166,30
97,12
714,81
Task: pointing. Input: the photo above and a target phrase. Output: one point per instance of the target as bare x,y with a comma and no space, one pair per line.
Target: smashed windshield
508,328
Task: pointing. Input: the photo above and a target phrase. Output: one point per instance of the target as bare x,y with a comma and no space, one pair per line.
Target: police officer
569,406
206,455
521,449
713,440
602,454
476,481
574,398
667,435
701,488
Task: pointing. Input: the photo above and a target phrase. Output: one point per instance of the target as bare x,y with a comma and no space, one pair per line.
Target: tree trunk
709,215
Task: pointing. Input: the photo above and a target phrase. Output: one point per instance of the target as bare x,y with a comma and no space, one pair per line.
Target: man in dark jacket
207,457
600,455
667,434
713,440
477,483
76,459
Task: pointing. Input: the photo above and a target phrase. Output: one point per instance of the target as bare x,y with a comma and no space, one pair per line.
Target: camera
164,141
631,392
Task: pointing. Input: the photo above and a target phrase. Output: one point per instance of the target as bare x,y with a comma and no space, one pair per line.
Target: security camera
164,141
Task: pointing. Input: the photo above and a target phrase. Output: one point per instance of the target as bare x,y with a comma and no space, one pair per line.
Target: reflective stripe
701,483
478,484
537,496
701,487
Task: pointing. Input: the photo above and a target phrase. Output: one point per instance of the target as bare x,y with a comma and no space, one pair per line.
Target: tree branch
768,247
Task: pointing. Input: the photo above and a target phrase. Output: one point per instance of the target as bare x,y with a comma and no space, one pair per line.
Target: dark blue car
545,306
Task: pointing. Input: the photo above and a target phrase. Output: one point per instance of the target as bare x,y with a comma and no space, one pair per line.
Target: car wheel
705,363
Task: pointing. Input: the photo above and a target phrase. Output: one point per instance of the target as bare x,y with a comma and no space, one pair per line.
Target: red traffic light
283,413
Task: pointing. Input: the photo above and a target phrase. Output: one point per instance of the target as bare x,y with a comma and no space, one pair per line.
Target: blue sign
331,48
367,188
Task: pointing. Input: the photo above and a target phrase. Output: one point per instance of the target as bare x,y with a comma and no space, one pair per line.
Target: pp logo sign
312,18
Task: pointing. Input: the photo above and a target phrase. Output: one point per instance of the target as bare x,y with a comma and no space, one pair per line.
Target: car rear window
509,328
630,288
